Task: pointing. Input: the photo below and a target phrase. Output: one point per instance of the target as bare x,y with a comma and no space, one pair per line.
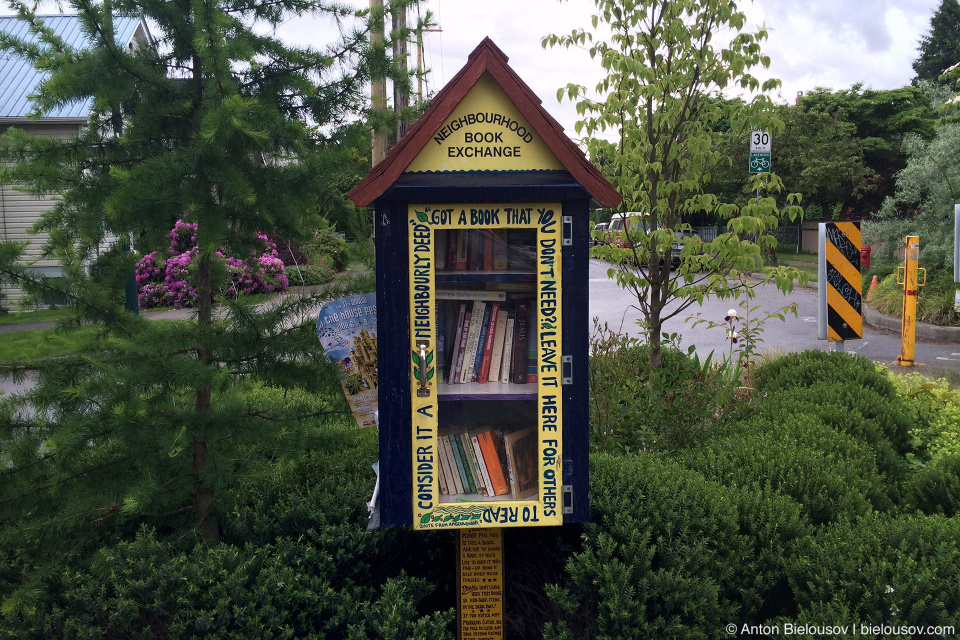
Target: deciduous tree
654,123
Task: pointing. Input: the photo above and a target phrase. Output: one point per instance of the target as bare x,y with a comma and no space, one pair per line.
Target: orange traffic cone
873,285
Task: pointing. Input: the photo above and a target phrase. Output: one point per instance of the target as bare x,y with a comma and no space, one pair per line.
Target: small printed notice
347,329
481,584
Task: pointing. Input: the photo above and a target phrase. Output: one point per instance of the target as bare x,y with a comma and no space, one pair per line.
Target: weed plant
935,300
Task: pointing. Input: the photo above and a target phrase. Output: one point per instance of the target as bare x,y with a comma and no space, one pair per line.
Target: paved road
611,304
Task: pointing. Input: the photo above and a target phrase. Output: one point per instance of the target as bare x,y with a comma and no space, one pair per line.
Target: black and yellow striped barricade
840,285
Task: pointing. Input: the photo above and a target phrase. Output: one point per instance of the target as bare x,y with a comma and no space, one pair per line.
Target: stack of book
485,249
488,462
483,338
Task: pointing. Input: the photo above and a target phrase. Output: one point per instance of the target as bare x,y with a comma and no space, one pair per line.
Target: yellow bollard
908,276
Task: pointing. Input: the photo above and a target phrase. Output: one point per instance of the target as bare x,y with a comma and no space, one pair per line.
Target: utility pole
401,95
378,85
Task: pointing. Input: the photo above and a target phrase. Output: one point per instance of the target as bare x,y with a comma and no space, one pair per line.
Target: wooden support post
480,579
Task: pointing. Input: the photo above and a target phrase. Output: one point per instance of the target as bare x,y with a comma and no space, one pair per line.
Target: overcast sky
813,43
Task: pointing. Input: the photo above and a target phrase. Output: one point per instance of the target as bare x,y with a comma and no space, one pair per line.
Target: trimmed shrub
295,561
807,368
935,488
881,570
670,554
831,474
289,589
861,413
308,275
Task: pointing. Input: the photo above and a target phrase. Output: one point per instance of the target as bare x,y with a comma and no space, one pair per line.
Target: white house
18,79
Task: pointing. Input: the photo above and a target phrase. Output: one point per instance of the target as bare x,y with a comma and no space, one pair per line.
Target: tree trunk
203,495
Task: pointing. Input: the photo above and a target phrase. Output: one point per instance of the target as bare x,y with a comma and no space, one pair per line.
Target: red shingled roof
486,58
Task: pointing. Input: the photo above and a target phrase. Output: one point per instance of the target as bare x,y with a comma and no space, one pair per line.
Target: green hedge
882,569
669,554
831,474
806,368
295,561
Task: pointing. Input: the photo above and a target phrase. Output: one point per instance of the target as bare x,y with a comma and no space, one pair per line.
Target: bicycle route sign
760,152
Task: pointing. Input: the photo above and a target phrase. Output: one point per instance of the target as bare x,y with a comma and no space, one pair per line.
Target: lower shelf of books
489,451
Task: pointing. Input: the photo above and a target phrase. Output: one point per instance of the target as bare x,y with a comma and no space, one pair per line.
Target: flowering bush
169,282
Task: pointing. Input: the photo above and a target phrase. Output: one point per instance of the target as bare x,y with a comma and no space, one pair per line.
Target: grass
40,315
28,346
810,258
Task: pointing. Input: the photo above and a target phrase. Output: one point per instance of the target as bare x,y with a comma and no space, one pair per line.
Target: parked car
621,222
678,245
599,234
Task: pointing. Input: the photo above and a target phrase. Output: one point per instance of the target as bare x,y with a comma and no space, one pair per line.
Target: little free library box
482,240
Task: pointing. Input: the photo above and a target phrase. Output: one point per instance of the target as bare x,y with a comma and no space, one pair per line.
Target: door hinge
566,238
567,493
566,369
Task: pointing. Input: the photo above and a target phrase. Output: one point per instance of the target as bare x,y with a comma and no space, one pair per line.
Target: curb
895,325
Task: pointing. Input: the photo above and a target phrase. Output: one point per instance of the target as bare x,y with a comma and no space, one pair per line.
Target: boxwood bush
829,473
881,569
670,554
806,368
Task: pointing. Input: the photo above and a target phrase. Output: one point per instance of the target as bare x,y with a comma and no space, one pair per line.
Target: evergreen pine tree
223,125
940,48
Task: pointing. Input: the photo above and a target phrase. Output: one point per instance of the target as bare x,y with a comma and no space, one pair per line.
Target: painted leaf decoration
430,374
421,216
416,358
430,357
425,518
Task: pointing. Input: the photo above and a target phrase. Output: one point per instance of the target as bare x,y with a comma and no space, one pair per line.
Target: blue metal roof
18,78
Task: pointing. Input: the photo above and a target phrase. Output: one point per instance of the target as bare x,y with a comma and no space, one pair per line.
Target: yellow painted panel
544,509
486,132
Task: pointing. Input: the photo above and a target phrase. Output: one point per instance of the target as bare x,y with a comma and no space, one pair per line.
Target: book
474,250
519,363
470,294
507,358
440,253
498,482
442,471
451,258
462,346
500,249
487,250
467,444
521,447
481,465
462,242
486,361
473,335
496,354
467,475
456,484
452,320
454,375
532,348
441,340
481,342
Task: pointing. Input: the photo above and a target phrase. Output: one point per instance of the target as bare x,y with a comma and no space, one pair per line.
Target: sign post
760,152
908,276
840,293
